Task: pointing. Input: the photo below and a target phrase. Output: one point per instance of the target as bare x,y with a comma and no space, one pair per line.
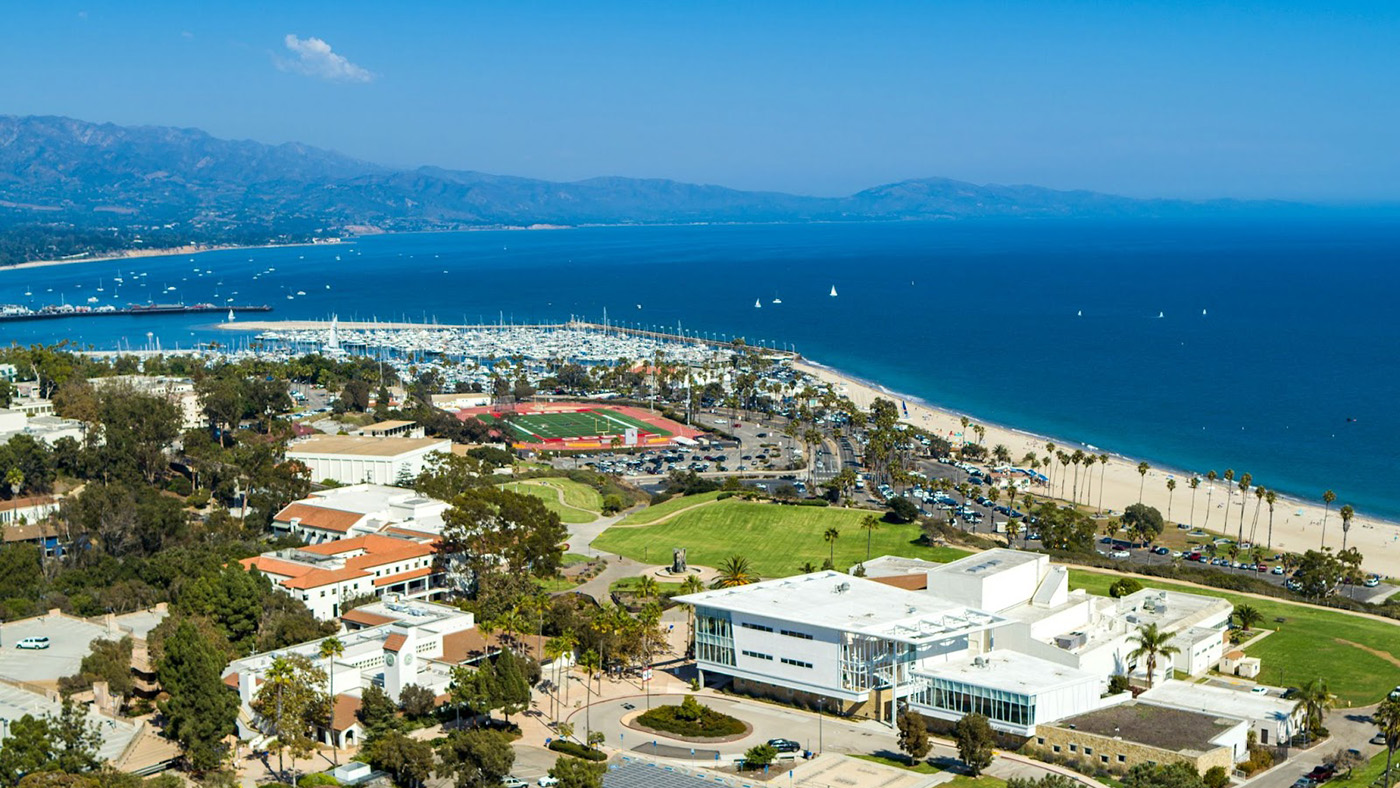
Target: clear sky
1294,100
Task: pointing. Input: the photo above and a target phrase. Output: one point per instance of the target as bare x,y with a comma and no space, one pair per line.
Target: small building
325,575
352,459
1198,649
1235,663
392,429
45,428
178,391
452,403
31,509
1014,691
1273,719
1117,738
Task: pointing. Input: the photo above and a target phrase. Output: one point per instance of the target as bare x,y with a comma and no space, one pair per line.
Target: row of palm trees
1262,497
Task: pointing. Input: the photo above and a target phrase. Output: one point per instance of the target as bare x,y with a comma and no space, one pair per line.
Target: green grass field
1344,649
777,540
588,423
549,494
681,502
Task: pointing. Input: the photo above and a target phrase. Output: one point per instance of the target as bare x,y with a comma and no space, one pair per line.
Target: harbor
15,312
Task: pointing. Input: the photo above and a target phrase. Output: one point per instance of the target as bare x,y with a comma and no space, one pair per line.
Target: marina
15,312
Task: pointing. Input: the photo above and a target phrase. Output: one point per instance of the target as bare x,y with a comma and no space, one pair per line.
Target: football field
565,425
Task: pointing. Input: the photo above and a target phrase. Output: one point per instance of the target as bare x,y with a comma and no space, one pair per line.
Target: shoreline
1297,521
174,251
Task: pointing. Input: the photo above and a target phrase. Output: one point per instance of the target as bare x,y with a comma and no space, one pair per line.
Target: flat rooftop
1169,609
986,563
1156,726
851,604
893,565
114,735
364,445
70,640
1211,699
1011,671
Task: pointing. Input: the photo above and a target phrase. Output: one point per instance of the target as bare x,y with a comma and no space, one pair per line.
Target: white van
39,642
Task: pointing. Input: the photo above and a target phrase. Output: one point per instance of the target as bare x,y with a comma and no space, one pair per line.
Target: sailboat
833,291
757,304
28,291
777,300
1203,312
1080,314
1161,315
231,318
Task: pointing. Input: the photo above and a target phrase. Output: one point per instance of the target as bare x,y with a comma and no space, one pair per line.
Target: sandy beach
1297,524
132,254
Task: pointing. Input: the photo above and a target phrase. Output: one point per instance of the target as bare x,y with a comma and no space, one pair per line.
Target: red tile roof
345,713
411,574
319,517
395,641
365,618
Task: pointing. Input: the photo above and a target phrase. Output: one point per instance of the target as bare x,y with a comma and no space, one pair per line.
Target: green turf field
1346,650
583,424
777,540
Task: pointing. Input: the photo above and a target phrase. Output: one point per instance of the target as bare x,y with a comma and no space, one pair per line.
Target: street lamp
821,709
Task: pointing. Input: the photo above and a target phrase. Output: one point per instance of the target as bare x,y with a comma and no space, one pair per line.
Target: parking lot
69,642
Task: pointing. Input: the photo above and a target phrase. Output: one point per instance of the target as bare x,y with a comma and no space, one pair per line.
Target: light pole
821,712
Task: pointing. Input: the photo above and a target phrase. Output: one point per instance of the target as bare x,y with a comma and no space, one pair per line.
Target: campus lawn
1307,644
576,494
653,513
776,539
550,496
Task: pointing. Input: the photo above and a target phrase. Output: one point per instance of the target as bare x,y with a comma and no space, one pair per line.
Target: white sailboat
1161,315
231,318
1080,314
757,304
833,291
1203,312
777,300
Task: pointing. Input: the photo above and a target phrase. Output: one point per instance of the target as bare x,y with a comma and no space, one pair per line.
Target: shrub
691,718
724,496
577,750
813,502
612,504
1216,777
1118,683
1123,587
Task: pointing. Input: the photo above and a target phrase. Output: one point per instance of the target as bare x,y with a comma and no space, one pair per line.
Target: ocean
1263,347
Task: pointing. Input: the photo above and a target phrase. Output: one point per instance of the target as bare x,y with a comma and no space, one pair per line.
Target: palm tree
1248,616
1013,527
807,568
1049,468
1229,477
554,651
1076,459
1089,460
331,648
1259,493
692,585
1314,700
647,587
735,571
1245,479
1387,718
1347,513
592,666
870,524
15,478
830,536
1210,493
1063,457
1195,482
1171,491
1143,468
1270,497
1152,643
1327,499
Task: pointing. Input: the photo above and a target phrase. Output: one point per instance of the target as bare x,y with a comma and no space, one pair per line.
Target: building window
1088,750
796,662
759,627
1103,758
1122,758
793,634
714,637
1074,748
1056,748
757,655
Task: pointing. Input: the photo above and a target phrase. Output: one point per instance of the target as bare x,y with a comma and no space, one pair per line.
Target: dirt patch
1375,652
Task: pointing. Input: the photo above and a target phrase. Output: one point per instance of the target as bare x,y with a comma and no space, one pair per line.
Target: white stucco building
352,459
323,576
999,633
360,509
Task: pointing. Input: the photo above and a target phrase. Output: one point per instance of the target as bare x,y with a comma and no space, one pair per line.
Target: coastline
175,251
1297,522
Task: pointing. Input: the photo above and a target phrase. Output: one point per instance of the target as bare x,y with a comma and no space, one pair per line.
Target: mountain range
69,187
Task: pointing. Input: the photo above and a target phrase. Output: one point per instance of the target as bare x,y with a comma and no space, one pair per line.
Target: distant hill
69,187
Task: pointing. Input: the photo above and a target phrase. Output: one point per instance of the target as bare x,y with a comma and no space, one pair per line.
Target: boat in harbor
833,291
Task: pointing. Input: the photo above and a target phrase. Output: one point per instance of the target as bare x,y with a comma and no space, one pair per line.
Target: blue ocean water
1270,337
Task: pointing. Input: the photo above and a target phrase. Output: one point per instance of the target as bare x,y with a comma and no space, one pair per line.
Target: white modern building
1273,719
999,633
417,643
19,419
323,576
360,509
352,459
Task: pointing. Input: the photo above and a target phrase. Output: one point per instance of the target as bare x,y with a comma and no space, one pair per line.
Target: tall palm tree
592,666
735,571
1229,477
1089,460
1152,643
1347,513
1327,499
1259,493
1171,491
1271,497
1313,700
554,651
870,524
830,536
1210,493
331,648
1077,458
692,585
1387,718
647,587
1195,482
1245,479
1049,468
1143,468
1063,457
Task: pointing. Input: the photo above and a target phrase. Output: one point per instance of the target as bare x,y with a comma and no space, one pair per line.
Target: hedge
577,750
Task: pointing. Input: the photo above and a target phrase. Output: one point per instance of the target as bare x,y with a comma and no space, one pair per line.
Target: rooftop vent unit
1071,641
980,662
841,588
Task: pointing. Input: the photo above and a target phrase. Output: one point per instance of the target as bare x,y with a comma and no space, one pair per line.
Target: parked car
33,643
1372,581
513,782
1278,570
548,782
785,745
1120,554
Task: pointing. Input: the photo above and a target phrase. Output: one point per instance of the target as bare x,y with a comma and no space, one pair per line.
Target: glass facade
957,697
869,662
714,636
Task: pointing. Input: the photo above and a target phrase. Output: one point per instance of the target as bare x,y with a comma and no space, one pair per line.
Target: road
1349,728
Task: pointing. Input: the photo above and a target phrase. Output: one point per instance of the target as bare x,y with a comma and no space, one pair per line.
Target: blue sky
1270,99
